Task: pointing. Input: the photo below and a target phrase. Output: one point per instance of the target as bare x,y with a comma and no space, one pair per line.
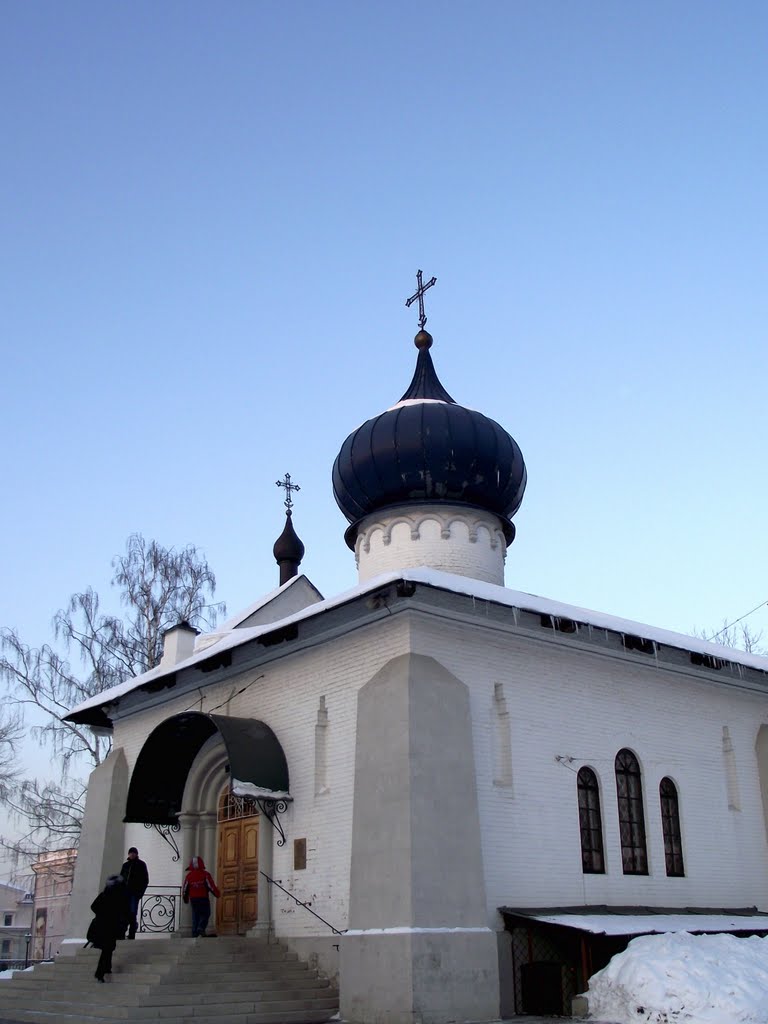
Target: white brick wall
586,706
287,700
560,702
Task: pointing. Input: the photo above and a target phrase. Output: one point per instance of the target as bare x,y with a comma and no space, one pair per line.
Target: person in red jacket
197,885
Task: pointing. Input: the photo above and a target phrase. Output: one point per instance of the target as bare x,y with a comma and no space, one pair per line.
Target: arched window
590,823
629,790
670,825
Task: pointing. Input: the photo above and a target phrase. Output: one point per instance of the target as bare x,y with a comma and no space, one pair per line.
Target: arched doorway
237,863
176,787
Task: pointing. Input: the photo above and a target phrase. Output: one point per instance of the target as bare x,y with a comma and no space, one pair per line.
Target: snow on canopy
641,923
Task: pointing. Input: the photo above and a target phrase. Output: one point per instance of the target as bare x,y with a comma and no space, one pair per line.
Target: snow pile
680,978
7,975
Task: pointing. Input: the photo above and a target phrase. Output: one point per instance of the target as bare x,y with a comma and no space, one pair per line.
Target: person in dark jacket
112,914
136,876
197,885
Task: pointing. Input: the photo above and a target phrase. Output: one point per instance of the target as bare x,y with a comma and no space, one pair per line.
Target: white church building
458,799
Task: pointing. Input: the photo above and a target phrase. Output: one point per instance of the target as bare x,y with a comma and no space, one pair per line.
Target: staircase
202,981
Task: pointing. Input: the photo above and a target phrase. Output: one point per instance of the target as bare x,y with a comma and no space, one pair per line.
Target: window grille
629,791
232,807
670,825
590,823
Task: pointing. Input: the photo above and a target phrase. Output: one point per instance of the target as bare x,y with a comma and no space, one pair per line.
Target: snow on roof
546,606
235,621
444,581
234,638
652,924
405,402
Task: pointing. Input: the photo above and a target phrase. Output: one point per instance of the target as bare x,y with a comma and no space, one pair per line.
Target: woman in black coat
113,915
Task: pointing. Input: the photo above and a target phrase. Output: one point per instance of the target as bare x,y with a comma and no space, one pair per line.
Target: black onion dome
288,547
428,450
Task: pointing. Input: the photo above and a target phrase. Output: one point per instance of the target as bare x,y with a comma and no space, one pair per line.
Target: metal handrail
160,909
305,905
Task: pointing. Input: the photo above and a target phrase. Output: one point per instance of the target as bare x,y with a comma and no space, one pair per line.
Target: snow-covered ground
7,975
680,978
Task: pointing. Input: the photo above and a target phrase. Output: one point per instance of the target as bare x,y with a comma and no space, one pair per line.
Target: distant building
15,921
53,888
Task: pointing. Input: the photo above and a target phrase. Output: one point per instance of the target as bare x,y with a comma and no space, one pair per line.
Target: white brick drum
452,538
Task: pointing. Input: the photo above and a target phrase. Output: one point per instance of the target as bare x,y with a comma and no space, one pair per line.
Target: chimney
178,644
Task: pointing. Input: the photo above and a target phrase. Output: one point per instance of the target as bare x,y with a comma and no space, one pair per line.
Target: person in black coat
112,916
136,876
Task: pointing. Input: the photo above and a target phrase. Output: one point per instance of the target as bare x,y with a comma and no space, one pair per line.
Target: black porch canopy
158,780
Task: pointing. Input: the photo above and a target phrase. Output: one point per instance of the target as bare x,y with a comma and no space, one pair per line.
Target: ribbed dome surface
428,449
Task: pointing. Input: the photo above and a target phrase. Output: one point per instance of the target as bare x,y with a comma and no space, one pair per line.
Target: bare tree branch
11,730
158,587
738,636
51,815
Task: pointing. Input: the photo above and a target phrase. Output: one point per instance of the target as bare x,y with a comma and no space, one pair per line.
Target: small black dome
288,550
428,450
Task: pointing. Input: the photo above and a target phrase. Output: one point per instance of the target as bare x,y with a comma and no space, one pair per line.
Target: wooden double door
237,865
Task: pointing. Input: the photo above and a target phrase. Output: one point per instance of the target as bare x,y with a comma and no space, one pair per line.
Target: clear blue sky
212,215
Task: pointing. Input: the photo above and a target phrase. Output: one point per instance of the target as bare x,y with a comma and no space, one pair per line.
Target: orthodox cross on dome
286,483
419,294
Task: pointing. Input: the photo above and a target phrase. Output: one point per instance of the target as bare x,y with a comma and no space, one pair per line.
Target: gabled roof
243,616
555,610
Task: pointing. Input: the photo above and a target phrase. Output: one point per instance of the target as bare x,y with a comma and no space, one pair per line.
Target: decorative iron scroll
232,807
166,832
159,911
272,809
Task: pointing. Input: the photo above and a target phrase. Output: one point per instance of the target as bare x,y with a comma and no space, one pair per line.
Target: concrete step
244,982
210,954
272,1009
184,975
290,1017
229,981
311,982
81,966
98,994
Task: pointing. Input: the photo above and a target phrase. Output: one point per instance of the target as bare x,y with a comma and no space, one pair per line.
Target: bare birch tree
11,730
159,587
738,635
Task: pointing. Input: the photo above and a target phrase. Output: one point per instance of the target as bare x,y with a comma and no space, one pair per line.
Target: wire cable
737,621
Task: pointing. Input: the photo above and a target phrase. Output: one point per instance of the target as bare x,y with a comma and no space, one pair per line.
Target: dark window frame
670,827
629,794
590,822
